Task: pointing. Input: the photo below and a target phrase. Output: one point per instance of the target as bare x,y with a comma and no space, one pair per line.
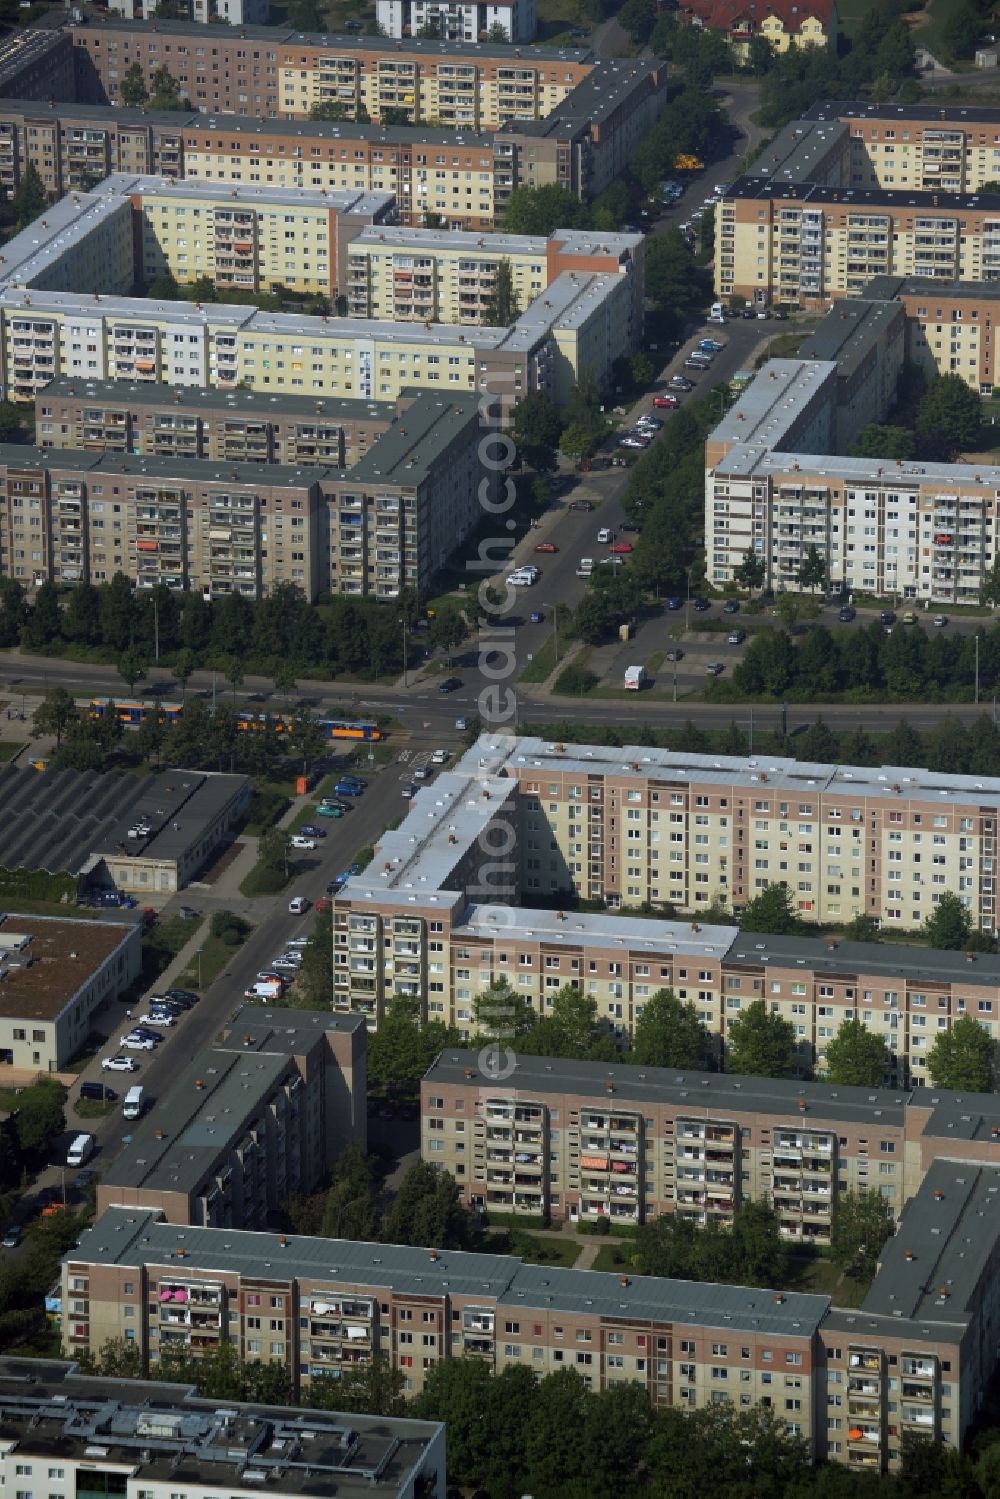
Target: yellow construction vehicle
685,163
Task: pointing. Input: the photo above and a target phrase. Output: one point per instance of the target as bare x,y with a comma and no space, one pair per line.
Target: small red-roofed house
784,23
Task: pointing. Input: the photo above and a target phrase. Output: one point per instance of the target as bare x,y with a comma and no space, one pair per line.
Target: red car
546,546
622,546
323,904
666,403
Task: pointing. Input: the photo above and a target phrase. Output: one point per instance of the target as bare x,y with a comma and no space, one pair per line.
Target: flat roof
406,451
946,115
887,960
131,1237
800,150
686,1090
347,130
60,820
751,458
503,52
602,929
769,776
887,288
166,1433
64,955
951,1228
850,331
342,201
594,98
774,401
242,399
757,188
196,470
48,238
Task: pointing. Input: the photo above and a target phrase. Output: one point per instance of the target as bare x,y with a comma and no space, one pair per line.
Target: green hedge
35,884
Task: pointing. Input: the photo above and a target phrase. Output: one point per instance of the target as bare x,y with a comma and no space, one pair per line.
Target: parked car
582,505
348,788
450,684
666,403
623,546
546,546
715,668
887,617
940,620
631,441
846,614
422,773
183,996
654,423
676,654
695,364
119,1064
700,605
329,811
674,602
299,842
605,534
324,904
736,637
159,1019
133,1042
409,791
680,382
11,1238
730,607
310,830
536,618
440,757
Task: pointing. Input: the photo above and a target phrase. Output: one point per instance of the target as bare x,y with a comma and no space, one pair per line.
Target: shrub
575,679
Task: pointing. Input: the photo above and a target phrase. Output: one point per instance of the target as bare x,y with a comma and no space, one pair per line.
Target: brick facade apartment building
915,1359
581,1141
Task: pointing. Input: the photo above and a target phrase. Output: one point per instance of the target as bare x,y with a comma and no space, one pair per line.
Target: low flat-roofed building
146,1440
145,834
260,1115
55,974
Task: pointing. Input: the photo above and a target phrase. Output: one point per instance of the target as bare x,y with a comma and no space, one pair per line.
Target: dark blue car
674,602
349,788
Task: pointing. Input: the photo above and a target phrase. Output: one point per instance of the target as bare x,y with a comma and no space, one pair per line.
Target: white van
261,989
81,1150
297,905
717,314
134,1100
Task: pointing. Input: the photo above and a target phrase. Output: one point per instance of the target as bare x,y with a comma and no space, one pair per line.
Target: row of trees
879,64
164,94
936,420
276,635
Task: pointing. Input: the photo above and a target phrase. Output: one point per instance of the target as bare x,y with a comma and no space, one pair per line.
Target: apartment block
783,24
261,1114
202,12
243,526
950,147
471,21
139,1437
151,420
57,973
37,63
435,917
320,1306
277,73
950,326
580,1141
449,277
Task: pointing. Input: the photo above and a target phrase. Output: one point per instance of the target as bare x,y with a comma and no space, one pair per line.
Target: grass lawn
929,34
534,1249
206,965
851,13
31,907
654,662
544,661
819,1275
262,880
92,1108
85,1056
615,1256
10,747
267,803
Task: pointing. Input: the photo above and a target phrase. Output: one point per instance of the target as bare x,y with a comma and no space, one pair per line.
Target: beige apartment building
55,974
449,277
320,1306
231,525
248,1121
643,825
271,72
239,425
580,1141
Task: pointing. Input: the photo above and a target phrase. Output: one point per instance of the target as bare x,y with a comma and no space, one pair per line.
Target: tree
329,109
540,210
117,613
990,591
949,417
752,571
404,1047
427,1210
877,441
503,305
579,441
167,91
856,1057
668,1033
272,848
963,1058
961,29
11,422
184,666
233,673
771,912
502,1013
536,427
55,713
39,1117
812,569
498,33
117,1358
638,17
673,278
862,1222
373,1388
308,737
949,924
133,87
131,668
44,624
81,620
29,198
750,1253
862,928
761,1044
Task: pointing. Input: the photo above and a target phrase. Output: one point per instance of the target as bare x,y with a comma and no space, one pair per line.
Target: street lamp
687,606
555,625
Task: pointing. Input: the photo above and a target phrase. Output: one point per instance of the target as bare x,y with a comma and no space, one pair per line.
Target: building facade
475,20
56,974
202,12
227,525
781,23
235,426
319,1307
642,825
260,1115
278,73
580,1141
